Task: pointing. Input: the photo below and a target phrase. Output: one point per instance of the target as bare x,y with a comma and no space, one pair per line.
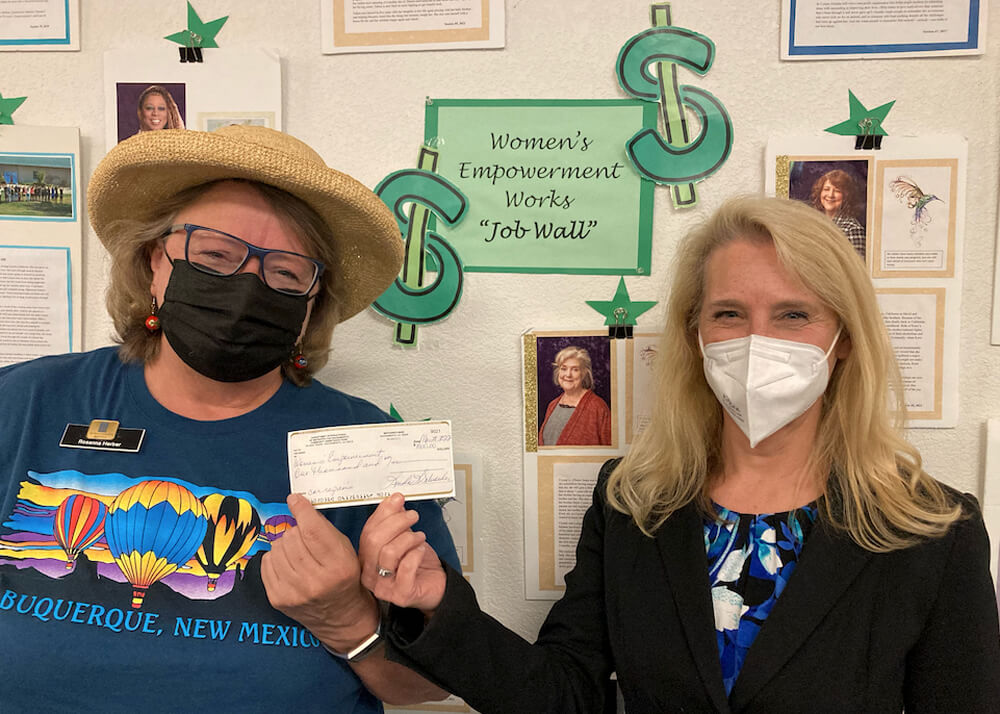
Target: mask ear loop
835,339
826,355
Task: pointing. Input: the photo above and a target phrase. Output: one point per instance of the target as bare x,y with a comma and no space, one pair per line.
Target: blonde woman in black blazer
770,543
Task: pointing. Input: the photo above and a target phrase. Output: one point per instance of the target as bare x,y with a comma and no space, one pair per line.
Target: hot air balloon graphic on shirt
152,529
78,524
233,527
275,526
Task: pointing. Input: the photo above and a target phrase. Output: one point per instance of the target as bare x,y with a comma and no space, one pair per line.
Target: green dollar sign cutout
414,195
678,161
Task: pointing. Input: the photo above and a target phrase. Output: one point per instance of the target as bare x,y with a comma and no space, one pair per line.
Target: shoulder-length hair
174,120
848,188
877,490
581,355
129,300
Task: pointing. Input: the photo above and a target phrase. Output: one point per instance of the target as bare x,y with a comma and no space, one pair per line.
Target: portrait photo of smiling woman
574,391
156,109
145,106
838,190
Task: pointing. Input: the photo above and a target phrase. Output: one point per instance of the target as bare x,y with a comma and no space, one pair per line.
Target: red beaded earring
299,360
152,322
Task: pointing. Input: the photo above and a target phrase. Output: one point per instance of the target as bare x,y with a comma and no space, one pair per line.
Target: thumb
312,524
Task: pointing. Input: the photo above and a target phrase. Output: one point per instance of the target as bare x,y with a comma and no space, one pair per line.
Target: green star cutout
863,121
621,301
8,107
198,33
397,416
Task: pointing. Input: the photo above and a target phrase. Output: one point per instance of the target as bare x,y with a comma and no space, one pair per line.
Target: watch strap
365,647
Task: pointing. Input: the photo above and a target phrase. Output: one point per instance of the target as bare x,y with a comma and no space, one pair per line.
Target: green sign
549,186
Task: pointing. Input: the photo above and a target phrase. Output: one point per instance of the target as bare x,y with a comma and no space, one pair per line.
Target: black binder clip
191,53
619,330
868,139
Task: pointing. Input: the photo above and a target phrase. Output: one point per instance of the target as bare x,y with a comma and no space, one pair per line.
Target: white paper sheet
351,465
914,319
640,392
410,25
913,245
40,242
46,25
35,314
846,29
559,480
230,86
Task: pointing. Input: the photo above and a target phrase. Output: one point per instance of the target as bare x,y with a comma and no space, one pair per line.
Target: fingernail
294,498
397,499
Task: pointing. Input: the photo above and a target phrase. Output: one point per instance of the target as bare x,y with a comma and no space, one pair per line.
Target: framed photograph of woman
570,390
149,106
837,187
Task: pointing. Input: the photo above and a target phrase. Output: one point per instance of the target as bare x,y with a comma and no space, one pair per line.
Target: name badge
102,435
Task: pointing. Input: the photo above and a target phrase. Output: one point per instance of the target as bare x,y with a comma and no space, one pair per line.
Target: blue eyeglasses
218,253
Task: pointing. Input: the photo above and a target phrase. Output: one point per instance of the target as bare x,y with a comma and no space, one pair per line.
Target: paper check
350,465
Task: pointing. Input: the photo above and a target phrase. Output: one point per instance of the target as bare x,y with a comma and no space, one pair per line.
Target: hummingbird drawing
908,192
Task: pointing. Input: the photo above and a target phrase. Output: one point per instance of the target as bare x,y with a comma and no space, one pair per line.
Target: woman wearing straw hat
139,482
770,543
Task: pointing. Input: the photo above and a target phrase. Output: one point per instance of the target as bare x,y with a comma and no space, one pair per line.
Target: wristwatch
367,646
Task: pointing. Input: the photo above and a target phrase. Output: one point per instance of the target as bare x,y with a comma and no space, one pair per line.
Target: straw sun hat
141,172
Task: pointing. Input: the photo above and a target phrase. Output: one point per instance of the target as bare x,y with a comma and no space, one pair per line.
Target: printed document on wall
410,25
40,242
562,459
902,208
839,29
39,25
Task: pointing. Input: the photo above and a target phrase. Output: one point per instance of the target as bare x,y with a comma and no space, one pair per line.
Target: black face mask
229,329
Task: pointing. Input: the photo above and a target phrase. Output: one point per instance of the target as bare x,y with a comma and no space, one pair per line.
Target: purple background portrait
803,175
128,98
599,348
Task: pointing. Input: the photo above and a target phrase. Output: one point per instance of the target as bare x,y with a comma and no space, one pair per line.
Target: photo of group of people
36,186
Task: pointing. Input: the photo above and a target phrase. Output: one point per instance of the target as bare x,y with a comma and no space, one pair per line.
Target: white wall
364,114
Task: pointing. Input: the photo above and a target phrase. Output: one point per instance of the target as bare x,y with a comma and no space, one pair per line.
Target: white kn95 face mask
765,383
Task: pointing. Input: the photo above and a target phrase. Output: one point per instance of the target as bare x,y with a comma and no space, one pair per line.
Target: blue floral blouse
750,558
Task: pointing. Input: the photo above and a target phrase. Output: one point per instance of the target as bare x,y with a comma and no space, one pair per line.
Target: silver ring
384,572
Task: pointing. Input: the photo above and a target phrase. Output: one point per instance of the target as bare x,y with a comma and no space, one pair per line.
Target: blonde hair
877,490
128,299
580,355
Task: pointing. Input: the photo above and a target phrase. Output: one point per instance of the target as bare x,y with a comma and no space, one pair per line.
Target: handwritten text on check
351,465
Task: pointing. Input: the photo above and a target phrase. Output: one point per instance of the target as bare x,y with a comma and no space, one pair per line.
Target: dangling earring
152,322
299,360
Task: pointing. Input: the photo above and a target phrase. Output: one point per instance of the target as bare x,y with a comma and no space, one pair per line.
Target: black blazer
853,631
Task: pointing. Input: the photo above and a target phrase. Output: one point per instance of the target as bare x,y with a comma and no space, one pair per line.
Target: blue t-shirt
131,581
